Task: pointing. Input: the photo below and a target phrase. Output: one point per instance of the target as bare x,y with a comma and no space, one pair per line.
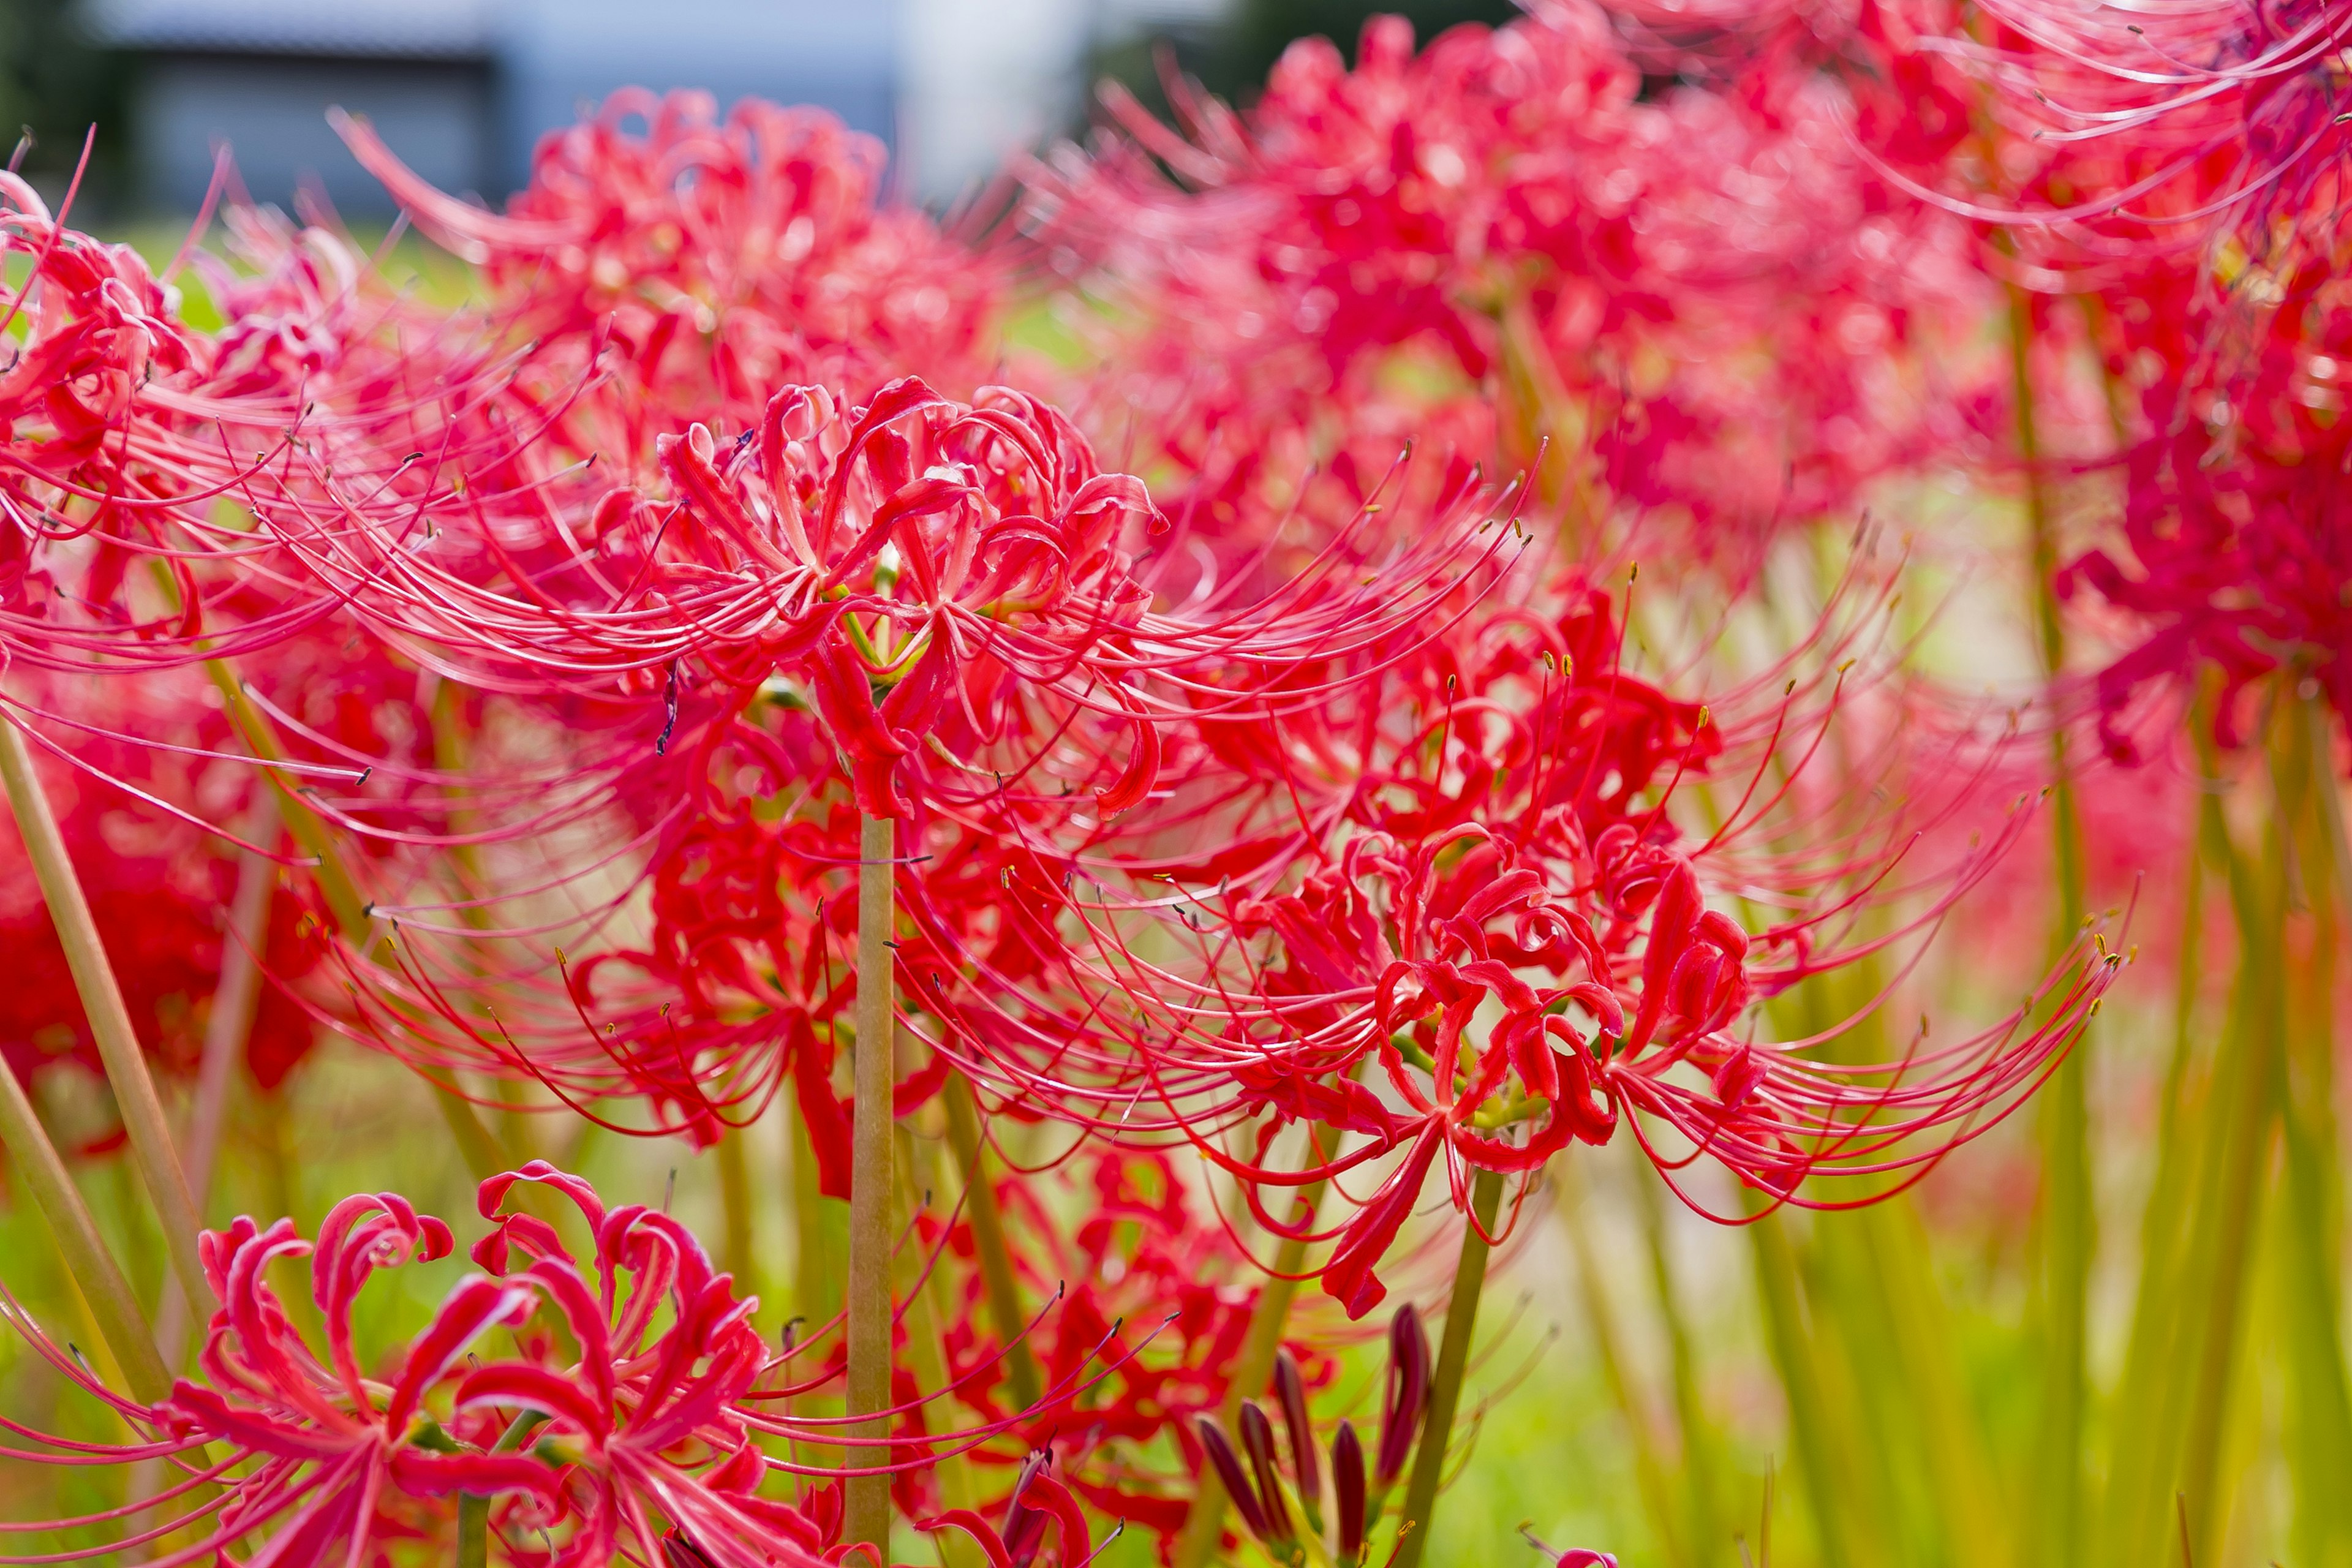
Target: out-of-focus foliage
55,83
1231,57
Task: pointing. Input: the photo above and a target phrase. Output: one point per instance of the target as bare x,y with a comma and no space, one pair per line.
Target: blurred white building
983,77
463,88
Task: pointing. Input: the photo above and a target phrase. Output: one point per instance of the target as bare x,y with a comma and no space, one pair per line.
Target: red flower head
639,1446
1501,241
1498,942
712,259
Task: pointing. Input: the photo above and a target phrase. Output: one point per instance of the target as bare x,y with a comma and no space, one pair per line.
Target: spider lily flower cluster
1317,845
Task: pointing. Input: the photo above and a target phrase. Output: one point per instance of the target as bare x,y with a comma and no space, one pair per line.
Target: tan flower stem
483,1153
1445,1383
113,1305
109,1019
987,1221
871,1181
1252,1370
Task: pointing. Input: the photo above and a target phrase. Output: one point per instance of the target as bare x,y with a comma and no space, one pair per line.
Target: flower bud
1229,1470
1257,1441
1347,1493
1408,1395
1290,1392
1024,1527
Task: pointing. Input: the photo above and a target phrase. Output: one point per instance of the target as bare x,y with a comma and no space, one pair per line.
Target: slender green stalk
2319,1406
1706,1531
109,1019
1931,1404
2246,1112
735,1243
2066,1235
871,1181
474,1508
1253,1368
113,1305
1800,1380
1003,1286
2151,1398
1650,1468
1445,1385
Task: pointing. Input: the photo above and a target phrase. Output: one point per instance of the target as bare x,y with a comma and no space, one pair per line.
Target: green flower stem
1252,1369
1698,1450
2151,1394
2319,1402
2246,1105
871,1181
109,1019
474,1509
1651,1472
735,1209
2066,1235
1003,1287
1445,1385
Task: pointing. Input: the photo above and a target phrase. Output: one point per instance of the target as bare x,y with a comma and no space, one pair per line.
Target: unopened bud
1257,1442
1228,1465
1290,1393
1408,1395
1347,1494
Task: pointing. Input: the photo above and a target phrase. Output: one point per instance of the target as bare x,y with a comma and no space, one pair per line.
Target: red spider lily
127,429
337,1458
1495,834
2184,171
1034,695
2115,133
2233,532
651,1406
1692,296
646,1425
973,559
716,258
